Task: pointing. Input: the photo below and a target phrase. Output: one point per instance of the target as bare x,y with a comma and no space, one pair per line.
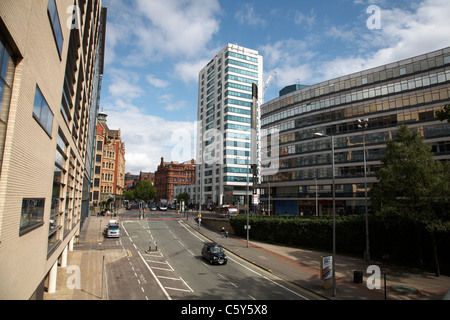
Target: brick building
109,169
171,174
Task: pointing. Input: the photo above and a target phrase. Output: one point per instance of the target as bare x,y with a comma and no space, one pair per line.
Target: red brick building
170,174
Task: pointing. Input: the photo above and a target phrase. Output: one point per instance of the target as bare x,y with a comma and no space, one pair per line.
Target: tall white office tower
228,126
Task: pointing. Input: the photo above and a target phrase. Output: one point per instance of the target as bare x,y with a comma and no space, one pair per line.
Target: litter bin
357,276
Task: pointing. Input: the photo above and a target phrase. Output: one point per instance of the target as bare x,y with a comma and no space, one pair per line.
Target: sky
156,48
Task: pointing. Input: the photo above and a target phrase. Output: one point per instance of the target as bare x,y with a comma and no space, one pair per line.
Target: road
163,261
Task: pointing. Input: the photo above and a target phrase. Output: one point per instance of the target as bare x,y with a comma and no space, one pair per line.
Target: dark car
213,253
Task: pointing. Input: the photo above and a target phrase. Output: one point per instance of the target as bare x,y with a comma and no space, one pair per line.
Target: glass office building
405,92
225,120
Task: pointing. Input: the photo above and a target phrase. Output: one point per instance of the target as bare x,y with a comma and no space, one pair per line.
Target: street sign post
326,270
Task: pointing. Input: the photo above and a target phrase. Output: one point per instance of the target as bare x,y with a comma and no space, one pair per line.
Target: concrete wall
217,224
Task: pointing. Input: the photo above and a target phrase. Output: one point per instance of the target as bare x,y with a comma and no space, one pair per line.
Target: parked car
214,253
153,207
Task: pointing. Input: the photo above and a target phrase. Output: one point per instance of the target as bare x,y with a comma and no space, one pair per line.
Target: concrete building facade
226,117
360,112
47,79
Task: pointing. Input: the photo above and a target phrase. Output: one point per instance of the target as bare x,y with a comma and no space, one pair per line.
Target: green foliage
411,182
145,191
183,197
444,114
129,194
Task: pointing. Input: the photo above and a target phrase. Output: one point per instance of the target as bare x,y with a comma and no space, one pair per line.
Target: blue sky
155,49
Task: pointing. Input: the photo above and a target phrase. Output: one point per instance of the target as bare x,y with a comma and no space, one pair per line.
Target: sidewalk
90,256
302,267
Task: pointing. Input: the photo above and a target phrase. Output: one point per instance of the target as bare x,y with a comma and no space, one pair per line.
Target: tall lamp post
362,124
334,209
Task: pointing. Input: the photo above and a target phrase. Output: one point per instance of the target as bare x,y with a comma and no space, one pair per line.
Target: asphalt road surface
163,262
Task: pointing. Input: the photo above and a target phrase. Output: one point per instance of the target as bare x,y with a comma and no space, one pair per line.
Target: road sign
255,199
326,267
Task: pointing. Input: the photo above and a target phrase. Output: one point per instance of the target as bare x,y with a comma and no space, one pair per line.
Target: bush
400,239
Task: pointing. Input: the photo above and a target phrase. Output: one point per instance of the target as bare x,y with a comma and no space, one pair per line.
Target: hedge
398,240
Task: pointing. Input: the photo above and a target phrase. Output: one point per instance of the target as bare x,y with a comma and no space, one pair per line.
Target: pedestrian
222,231
226,234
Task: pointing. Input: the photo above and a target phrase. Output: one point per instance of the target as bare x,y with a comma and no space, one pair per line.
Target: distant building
187,188
145,176
49,88
171,174
109,169
131,181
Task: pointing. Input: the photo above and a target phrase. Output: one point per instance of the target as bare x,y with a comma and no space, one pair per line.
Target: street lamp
362,124
246,198
318,134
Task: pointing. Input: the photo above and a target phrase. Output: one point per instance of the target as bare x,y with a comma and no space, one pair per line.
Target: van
112,229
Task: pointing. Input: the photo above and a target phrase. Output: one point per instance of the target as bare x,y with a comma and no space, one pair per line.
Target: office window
56,26
32,214
6,78
42,112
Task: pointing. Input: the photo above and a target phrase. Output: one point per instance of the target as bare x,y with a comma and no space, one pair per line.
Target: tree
145,191
444,114
414,185
183,197
129,194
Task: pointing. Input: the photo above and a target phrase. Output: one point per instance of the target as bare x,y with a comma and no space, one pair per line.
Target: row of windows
347,127
241,64
238,94
238,102
240,56
230,143
327,88
238,119
415,99
241,79
236,127
376,92
339,157
238,86
323,173
240,71
237,110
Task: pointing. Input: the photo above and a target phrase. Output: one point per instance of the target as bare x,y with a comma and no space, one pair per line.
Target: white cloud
290,58
153,30
171,105
148,138
247,15
188,71
124,84
158,83
403,34
177,28
305,19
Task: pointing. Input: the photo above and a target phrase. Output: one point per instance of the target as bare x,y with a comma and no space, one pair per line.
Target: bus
226,211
